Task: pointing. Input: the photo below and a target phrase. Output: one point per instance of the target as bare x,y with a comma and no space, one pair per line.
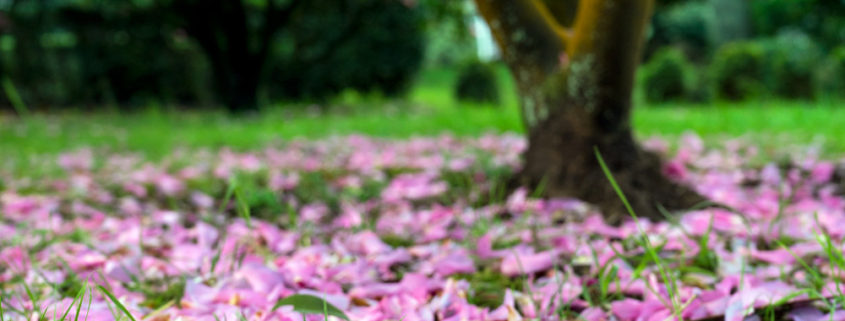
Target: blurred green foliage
449,40
738,70
380,49
666,77
88,53
792,59
784,66
690,25
476,83
823,20
831,76
120,54
750,49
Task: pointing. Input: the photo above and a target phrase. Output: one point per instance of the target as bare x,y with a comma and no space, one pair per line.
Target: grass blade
243,207
669,282
31,297
159,310
116,302
90,299
79,306
72,303
230,190
325,310
14,97
215,259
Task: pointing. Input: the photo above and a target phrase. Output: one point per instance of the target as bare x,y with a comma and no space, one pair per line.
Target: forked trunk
575,83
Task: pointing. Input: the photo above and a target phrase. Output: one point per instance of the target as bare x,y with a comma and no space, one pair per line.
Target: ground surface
413,229
416,228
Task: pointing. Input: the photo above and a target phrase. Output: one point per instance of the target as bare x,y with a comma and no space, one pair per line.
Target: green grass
429,109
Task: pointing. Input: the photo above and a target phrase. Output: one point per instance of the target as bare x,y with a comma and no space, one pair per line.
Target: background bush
823,19
791,61
132,53
86,56
120,54
690,25
477,83
115,65
666,76
378,48
738,70
831,74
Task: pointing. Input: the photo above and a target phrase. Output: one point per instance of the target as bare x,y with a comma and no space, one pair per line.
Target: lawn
429,109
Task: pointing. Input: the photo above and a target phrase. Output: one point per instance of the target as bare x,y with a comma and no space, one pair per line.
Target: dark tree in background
574,64
236,37
323,46
234,53
337,47
91,54
127,53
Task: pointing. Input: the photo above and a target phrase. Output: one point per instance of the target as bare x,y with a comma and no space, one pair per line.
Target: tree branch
562,10
553,18
610,27
606,41
526,33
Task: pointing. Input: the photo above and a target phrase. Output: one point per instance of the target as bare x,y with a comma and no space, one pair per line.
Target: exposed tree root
561,160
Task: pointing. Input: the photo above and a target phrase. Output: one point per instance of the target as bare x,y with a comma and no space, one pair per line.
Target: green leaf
116,302
309,304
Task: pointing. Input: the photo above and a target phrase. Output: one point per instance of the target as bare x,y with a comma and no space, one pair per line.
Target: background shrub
666,76
477,83
116,65
831,74
328,50
136,53
86,56
791,60
687,25
823,19
738,70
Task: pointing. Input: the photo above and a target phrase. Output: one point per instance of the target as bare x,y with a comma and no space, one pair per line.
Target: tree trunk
561,157
236,83
575,81
242,97
236,47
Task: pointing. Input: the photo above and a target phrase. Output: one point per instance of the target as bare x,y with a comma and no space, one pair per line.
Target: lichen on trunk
575,75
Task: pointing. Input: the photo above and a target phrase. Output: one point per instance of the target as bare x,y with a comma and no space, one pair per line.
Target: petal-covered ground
419,229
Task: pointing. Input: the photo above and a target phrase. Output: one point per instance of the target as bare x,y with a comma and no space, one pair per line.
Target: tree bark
575,76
